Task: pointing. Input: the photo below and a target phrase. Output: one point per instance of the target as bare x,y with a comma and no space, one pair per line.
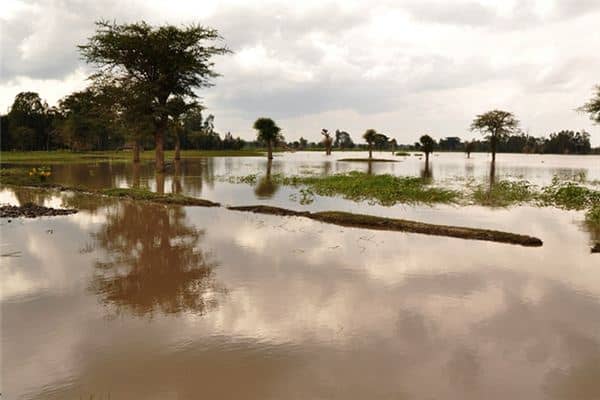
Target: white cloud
401,67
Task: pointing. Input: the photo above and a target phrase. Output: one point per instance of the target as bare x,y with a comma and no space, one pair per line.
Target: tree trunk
493,145
177,147
136,151
160,183
159,139
427,160
136,175
370,151
270,149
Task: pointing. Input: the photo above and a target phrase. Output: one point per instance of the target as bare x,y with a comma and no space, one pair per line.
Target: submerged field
136,289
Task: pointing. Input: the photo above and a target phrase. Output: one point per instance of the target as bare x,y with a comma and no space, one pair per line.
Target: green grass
504,193
51,157
402,153
381,189
21,177
146,195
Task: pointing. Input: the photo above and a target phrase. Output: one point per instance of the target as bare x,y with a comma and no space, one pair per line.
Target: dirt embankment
30,210
398,225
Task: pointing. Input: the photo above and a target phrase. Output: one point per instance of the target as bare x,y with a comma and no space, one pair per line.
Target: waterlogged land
137,296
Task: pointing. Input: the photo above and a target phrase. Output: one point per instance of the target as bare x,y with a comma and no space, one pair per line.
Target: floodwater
129,300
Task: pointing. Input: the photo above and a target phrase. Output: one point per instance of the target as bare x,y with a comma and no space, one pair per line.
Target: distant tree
370,136
87,122
393,145
177,108
164,62
28,122
592,107
469,148
427,144
269,133
381,141
303,143
343,140
495,124
327,141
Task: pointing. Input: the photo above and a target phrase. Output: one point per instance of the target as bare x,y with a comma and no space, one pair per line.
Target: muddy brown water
128,300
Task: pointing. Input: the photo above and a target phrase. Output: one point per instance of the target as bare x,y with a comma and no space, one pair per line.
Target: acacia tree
370,136
268,132
427,144
163,62
592,107
495,125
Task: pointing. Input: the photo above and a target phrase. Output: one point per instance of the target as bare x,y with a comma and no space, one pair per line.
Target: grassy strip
146,195
49,157
366,160
399,225
402,153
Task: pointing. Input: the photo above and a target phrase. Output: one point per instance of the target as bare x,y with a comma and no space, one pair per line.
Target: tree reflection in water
154,263
266,187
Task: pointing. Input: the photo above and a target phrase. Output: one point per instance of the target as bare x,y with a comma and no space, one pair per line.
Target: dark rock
596,248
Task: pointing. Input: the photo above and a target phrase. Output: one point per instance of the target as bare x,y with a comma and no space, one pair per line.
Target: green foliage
504,193
370,135
427,144
592,107
267,130
382,189
570,195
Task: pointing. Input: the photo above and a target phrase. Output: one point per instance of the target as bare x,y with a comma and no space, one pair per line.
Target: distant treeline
81,122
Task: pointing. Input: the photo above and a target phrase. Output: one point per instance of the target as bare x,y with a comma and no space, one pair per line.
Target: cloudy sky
403,67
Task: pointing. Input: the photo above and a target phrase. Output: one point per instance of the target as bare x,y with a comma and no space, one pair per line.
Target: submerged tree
163,62
495,124
370,136
427,144
469,148
327,141
268,132
592,107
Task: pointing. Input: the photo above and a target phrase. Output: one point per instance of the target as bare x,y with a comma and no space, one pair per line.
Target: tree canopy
158,62
592,107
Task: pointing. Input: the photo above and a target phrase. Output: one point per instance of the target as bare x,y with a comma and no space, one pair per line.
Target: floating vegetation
504,193
403,154
381,189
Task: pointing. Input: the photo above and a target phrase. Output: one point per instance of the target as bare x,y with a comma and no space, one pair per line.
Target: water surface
131,300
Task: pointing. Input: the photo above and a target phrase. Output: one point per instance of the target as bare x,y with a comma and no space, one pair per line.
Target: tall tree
268,132
592,107
164,62
177,109
495,125
28,121
370,136
427,144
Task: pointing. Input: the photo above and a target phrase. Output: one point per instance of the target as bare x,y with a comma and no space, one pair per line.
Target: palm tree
427,145
268,132
370,135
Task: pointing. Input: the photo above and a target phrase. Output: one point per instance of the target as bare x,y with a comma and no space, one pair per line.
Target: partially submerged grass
402,153
504,193
381,189
167,198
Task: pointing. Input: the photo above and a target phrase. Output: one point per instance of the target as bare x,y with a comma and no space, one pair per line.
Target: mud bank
398,225
30,210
